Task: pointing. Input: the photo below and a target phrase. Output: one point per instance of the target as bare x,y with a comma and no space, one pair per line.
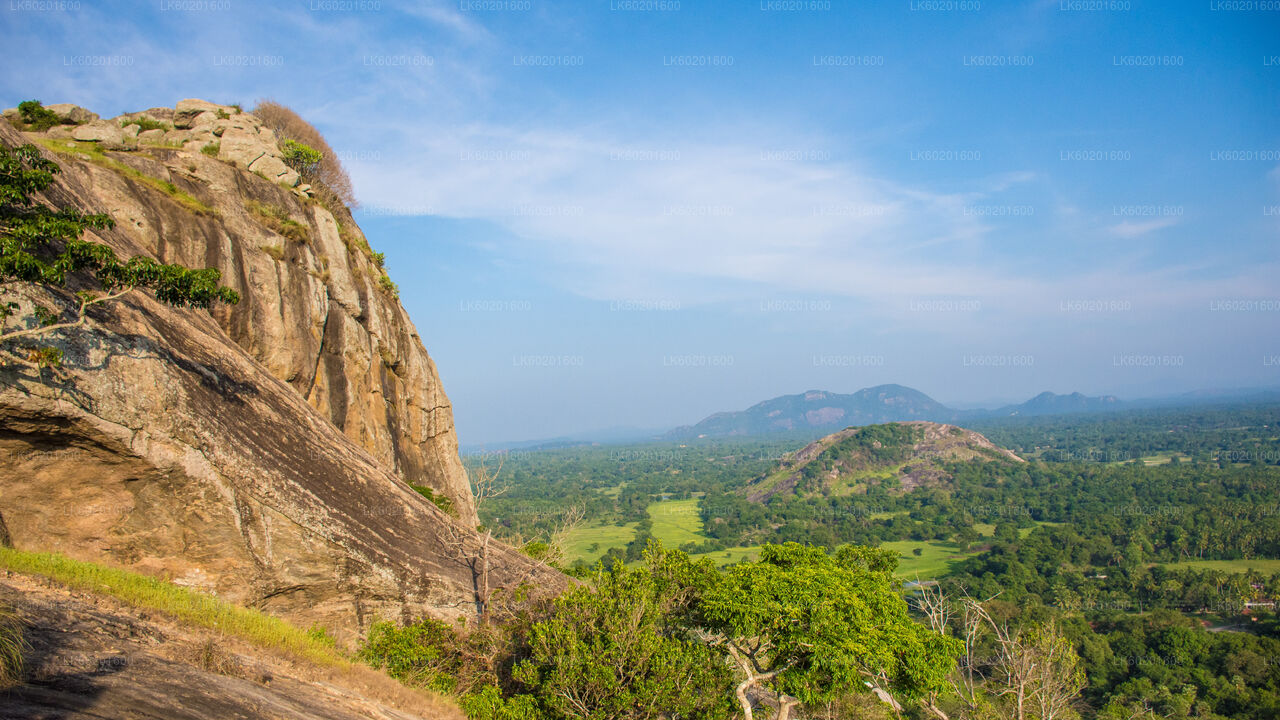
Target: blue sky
602,216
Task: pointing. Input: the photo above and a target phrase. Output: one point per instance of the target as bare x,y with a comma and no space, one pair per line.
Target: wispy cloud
1132,229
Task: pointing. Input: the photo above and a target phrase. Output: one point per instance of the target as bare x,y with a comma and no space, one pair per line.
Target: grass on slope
95,155
188,605
12,648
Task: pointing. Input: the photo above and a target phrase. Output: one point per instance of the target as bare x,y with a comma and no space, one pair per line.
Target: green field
1266,566
934,561
606,536
730,556
676,522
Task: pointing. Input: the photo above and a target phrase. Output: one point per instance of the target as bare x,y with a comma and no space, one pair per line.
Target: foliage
37,117
815,626
423,654
328,178
211,149
44,246
617,650
303,158
145,123
388,285
438,499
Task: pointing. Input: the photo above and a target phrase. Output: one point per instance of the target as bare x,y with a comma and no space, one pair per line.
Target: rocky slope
911,454
260,451
92,657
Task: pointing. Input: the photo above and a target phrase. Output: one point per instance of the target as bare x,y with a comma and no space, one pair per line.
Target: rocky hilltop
907,455
263,451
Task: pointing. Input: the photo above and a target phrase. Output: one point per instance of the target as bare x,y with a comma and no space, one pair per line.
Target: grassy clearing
94,154
731,555
676,522
1266,566
602,537
934,561
182,603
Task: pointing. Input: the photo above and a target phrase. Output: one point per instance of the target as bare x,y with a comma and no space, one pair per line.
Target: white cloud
1131,229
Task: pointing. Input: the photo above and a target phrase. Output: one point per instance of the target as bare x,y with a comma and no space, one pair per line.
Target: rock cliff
262,451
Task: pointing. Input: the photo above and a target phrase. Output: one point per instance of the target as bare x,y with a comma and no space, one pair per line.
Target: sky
634,214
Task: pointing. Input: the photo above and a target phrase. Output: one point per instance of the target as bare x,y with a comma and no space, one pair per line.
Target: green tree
619,650
810,627
43,246
303,158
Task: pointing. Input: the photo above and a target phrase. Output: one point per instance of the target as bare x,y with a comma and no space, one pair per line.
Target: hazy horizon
623,215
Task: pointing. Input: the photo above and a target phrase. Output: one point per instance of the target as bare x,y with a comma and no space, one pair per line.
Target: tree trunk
741,692
484,579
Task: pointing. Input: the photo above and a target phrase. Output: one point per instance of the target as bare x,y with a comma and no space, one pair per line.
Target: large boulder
274,169
72,113
187,111
241,147
106,132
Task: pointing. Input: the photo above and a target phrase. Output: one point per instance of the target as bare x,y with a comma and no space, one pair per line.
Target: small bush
303,158
212,149
145,123
379,259
388,285
13,648
37,117
223,114
439,500
274,251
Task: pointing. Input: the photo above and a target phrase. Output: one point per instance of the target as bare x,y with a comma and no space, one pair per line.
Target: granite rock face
262,451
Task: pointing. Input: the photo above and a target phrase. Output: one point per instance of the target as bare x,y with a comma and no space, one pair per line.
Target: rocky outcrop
91,657
262,451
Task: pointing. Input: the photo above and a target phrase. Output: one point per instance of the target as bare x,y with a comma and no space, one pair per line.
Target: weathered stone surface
74,113
274,169
91,657
152,136
176,137
262,450
103,131
241,147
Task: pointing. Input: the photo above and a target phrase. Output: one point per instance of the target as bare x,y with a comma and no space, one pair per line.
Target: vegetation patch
182,603
35,117
13,648
145,123
93,153
277,220
212,149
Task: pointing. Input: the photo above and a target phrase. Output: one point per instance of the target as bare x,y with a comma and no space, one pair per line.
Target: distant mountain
903,456
819,409
1047,403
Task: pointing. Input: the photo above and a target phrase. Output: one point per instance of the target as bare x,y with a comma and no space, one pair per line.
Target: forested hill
897,456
